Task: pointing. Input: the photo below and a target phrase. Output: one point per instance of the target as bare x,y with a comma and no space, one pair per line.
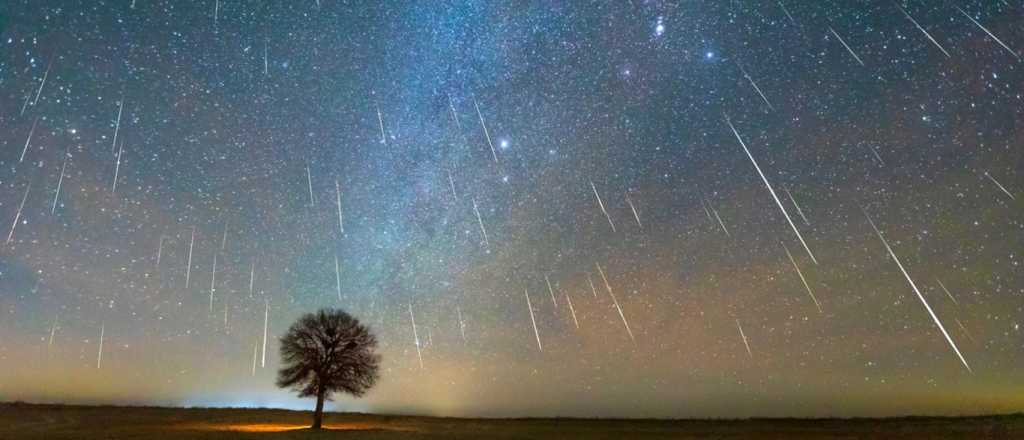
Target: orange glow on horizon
282,427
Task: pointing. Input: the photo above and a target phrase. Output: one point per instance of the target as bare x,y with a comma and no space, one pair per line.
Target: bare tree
326,352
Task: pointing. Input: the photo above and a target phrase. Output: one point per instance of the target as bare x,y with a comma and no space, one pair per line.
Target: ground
54,422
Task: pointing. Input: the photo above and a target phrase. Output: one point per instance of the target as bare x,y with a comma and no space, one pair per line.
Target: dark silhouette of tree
326,352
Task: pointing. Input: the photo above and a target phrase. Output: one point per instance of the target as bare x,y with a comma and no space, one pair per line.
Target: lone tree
326,352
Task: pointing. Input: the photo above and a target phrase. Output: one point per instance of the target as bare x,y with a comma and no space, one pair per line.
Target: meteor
380,119
601,205
918,292
635,215
1001,187
455,116
590,280
719,218
551,291
615,301
213,281
462,324
480,220
117,126
159,250
532,319
990,34
848,49
756,88
804,280
252,275
60,181
572,310
188,268
99,353
451,182
117,167
53,330
43,83
918,26
797,206
486,133
944,289
17,216
309,180
337,276
28,140
416,336
266,323
790,16
770,190
744,336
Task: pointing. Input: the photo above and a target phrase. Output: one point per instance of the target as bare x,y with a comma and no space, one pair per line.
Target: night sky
172,172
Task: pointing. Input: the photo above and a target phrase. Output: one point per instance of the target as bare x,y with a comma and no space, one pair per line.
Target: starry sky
611,209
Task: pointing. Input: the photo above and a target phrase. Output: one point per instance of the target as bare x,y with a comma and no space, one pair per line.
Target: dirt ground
25,421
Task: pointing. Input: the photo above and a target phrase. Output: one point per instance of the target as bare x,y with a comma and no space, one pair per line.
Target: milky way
181,180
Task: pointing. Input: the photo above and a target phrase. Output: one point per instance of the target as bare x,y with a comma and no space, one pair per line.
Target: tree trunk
318,416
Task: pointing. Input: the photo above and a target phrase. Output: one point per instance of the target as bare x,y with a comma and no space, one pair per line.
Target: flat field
54,422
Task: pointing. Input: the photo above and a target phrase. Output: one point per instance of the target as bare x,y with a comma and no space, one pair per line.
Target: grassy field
25,421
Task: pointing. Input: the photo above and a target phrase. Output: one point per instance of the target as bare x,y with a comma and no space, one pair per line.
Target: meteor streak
742,335
848,49
572,310
462,324
337,276
551,291
17,215
159,250
635,215
480,220
944,289
309,180
918,26
416,336
990,34
486,133
117,167
804,280
532,319
53,330
213,281
918,292
28,140
117,126
60,181
252,276
43,83
380,119
188,268
590,280
788,15
601,205
451,182
99,353
770,190
797,206
719,218
266,323
1001,187
756,88
455,116
615,301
